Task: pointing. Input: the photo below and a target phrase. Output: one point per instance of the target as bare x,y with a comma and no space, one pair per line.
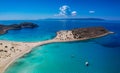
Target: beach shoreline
10,51
30,46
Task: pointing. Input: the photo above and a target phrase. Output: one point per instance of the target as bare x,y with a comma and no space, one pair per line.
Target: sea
102,54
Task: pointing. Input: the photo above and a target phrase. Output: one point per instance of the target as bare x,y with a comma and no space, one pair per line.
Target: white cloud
74,13
66,11
91,12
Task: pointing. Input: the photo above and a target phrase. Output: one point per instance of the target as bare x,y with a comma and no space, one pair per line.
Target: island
81,34
5,28
83,19
10,51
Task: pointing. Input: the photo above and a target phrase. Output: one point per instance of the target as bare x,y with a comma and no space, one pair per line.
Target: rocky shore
5,28
82,33
10,51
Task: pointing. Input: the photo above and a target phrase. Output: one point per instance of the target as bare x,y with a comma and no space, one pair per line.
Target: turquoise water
103,54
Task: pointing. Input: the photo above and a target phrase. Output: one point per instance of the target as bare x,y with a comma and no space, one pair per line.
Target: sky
41,9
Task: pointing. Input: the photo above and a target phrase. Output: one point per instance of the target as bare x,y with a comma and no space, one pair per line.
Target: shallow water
103,54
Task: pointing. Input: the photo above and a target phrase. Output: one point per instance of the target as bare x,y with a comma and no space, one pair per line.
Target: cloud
65,10
91,12
74,13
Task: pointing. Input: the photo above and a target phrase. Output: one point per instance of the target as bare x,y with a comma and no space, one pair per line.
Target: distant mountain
98,19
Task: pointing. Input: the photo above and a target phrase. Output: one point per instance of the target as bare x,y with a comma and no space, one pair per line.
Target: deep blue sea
103,54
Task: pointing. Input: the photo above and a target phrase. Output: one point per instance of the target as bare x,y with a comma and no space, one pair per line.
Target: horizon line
60,18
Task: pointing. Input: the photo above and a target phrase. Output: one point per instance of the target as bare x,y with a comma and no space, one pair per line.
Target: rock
5,28
14,26
82,33
28,25
88,32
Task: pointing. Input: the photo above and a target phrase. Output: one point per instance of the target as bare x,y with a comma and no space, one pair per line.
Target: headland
5,28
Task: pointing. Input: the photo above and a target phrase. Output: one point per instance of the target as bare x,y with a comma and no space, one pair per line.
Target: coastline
27,47
12,59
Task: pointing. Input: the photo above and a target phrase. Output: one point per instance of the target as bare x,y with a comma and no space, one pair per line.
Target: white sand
14,50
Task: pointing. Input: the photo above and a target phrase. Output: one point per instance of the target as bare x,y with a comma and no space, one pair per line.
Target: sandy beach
10,51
